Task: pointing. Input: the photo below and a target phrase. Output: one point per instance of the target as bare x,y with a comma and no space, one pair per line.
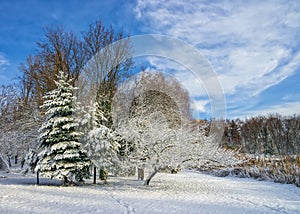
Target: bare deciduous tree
59,51
110,60
104,65
18,124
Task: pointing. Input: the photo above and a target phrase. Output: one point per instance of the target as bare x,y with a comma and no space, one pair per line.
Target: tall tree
109,54
89,59
60,50
61,154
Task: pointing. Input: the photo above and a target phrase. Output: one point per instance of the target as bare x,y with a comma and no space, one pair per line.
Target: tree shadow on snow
19,179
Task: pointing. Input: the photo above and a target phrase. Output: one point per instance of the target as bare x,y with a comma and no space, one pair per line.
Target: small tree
100,142
61,155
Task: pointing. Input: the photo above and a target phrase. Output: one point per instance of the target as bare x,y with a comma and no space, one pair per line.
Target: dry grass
282,169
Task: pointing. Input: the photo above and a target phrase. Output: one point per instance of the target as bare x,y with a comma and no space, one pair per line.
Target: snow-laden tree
30,161
61,155
157,146
18,125
99,141
155,118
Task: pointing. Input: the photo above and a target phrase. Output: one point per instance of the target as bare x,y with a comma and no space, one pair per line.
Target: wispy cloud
252,45
3,60
200,105
189,81
289,108
4,63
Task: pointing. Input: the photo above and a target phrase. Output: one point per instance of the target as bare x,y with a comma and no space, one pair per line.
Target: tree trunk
65,181
95,174
9,163
141,173
37,178
150,176
22,162
103,174
16,159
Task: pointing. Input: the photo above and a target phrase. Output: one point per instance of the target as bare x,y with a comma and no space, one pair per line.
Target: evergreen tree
103,110
61,156
100,141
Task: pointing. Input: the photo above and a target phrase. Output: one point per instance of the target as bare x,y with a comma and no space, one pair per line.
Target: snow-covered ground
186,192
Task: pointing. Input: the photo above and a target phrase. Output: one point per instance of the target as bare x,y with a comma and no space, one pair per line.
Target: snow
185,192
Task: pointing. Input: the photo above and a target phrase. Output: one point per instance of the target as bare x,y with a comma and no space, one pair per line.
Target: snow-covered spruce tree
61,155
100,141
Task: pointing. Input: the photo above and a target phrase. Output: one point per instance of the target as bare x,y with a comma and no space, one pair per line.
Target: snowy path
186,192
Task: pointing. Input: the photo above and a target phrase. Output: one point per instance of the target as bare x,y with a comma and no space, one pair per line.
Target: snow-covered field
186,192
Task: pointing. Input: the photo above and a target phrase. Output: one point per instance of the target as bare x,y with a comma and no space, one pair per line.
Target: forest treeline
271,135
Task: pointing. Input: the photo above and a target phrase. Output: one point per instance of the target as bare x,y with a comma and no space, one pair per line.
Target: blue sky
253,46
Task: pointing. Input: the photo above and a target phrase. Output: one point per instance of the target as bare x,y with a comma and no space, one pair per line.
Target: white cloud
285,109
188,80
3,60
200,105
251,45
